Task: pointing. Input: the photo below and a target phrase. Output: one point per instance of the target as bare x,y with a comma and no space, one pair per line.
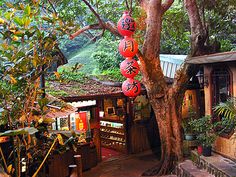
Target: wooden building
115,121
218,76
118,122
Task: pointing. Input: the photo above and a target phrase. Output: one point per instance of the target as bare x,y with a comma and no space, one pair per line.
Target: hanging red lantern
128,47
131,87
126,25
129,68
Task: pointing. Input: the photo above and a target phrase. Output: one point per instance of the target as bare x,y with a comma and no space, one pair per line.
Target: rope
45,158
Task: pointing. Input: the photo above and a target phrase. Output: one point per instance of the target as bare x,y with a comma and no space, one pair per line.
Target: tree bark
198,32
161,97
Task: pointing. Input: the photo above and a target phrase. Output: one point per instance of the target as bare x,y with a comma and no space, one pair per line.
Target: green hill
83,56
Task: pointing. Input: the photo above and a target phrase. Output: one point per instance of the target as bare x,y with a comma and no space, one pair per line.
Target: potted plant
187,126
226,112
205,133
188,129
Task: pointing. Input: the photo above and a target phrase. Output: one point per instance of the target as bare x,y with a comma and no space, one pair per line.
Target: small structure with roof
217,74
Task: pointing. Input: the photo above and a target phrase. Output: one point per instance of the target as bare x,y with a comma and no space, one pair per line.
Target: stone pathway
129,166
216,164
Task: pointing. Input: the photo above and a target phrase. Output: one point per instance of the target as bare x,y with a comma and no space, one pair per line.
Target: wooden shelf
112,128
114,134
119,141
113,120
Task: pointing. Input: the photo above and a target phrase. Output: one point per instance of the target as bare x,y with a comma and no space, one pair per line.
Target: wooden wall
224,146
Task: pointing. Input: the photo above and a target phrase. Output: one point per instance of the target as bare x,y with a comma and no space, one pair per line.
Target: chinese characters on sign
129,68
128,48
128,24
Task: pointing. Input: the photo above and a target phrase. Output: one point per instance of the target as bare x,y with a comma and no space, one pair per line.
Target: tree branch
97,36
166,5
94,12
54,9
127,4
93,26
110,26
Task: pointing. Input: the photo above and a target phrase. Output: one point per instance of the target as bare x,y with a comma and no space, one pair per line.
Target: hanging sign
126,25
81,121
129,68
128,48
131,87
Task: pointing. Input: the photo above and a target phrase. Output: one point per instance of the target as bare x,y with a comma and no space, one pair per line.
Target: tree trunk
167,117
167,102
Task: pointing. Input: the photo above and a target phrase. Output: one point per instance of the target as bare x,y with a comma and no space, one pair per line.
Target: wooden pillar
42,82
78,162
97,142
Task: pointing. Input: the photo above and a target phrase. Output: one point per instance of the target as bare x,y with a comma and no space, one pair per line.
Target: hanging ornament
131,87
126,25
129,68
128,47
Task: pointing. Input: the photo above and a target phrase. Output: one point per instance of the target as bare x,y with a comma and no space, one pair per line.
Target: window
221,91
221,85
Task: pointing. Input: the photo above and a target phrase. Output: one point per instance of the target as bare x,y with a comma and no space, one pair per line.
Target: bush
107,55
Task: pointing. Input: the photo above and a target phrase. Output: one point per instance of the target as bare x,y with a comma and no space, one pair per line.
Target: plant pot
199,150
189,137
206,151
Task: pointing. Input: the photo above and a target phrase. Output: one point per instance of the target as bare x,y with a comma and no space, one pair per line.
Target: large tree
166,101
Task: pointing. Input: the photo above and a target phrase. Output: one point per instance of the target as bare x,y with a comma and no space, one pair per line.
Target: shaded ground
126,166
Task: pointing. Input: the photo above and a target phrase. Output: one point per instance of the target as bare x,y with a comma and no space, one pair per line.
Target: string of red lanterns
128,48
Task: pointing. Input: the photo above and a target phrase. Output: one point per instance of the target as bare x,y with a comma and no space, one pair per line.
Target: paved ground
126,166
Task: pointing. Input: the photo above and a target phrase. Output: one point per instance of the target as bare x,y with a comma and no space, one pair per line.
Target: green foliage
28,41
106,54
84,57
227,111
66,76
187,126
176,32
60,93
187,122
71,47
204,129
113,75
25,48
219,18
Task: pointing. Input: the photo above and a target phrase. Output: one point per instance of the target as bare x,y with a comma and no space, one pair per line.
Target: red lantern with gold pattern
129,68
128,47
131,87
126,25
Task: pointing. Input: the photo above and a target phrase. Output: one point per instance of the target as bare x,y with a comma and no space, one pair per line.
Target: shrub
106,55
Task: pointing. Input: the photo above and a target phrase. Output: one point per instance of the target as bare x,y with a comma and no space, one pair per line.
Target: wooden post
78,162
73,171
42,82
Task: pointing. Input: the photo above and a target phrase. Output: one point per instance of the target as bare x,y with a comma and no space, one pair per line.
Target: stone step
188,169
216,164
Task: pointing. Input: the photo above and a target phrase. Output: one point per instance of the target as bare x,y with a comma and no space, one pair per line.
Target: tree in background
28,44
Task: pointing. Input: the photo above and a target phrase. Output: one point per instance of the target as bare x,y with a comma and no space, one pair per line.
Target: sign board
4,139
